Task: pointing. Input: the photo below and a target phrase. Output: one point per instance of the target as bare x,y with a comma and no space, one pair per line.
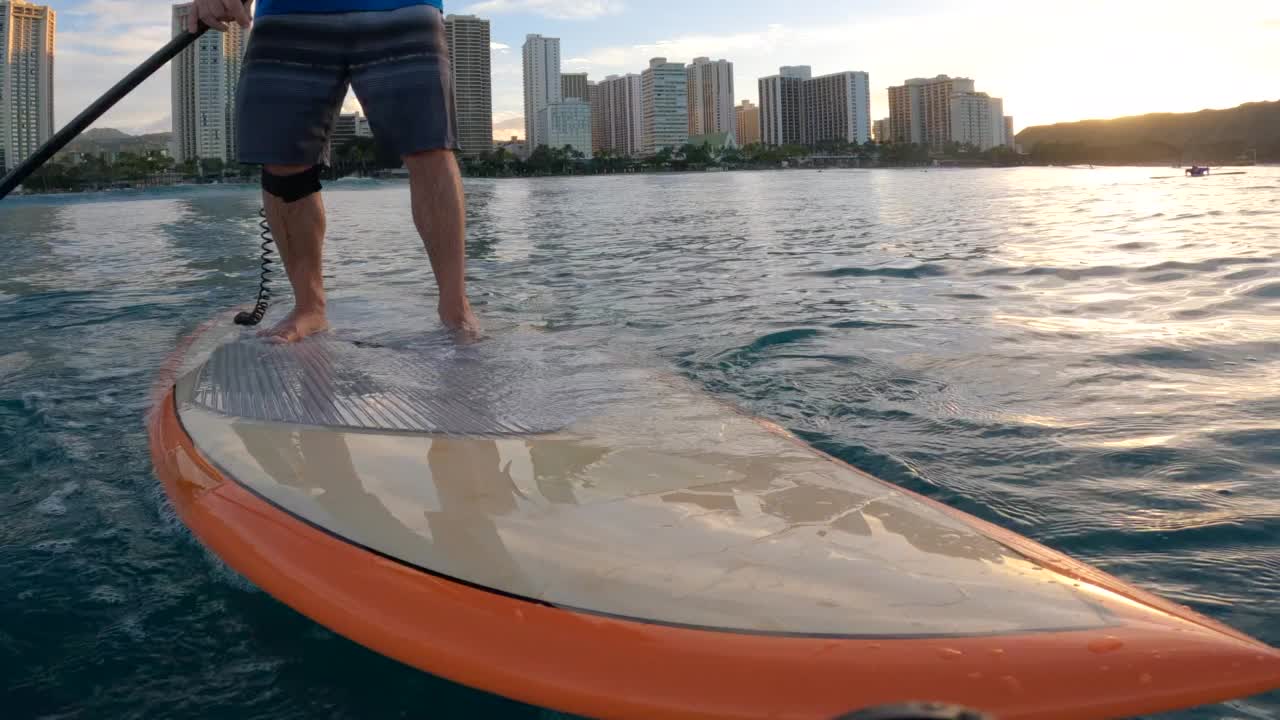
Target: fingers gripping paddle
99,106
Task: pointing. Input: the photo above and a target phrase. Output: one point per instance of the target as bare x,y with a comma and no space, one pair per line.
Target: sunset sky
1051,60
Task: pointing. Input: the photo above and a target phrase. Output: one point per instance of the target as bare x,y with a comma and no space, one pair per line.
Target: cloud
766,41
162,123
514,123
98,42
557,9
499,47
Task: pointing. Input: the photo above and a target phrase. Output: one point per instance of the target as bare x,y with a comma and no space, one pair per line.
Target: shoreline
142,189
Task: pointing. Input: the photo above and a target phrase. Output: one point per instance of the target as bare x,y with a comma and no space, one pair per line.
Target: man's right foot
461,321
296,325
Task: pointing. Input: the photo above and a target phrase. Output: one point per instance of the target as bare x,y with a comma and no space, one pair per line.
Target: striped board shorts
297,69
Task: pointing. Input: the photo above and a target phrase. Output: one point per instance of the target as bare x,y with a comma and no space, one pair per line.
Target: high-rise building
203,92
665,91
541,83
469,54
936,96
567,122
1008,131
906,114
363,129
920,109
344,129
748,123
837,107
574,85
880,130
781,99
26,79
622,110
710,91
977,119
595,98
347,127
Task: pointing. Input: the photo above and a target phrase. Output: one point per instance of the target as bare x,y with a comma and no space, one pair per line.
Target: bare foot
461,321
296,325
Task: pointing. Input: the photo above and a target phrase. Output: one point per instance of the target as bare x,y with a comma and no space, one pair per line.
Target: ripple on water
55,503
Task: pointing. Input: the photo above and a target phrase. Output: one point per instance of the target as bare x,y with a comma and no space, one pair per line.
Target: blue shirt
283,7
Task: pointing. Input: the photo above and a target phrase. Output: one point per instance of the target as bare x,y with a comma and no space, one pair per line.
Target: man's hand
216,13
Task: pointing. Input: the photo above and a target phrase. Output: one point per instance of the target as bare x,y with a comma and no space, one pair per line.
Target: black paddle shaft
99,106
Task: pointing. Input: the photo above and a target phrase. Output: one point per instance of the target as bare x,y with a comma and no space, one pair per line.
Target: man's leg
298,229
400,72
439,212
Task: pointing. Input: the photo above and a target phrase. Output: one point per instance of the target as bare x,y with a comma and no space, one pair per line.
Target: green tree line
125,169
568,161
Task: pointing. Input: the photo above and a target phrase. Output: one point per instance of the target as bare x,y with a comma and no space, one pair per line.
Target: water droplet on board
1107,644
949,653
1012,683
1145,678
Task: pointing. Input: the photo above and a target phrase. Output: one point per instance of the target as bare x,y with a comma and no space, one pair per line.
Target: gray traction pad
328,382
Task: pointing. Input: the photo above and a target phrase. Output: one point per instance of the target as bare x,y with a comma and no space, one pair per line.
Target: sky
1051,60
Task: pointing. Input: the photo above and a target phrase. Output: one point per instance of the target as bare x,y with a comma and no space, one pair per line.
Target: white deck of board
659,503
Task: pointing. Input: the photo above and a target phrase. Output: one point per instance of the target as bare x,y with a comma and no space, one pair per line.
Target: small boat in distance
1197,171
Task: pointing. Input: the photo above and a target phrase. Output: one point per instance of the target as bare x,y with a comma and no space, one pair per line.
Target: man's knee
428,158
291,183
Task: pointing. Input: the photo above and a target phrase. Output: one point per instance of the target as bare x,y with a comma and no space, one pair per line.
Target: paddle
86,118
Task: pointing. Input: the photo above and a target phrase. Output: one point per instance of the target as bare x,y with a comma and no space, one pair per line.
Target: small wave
1163,277
870,325
1247,274
1164,358
963,296
919,271
1270,290
55,546
1209,265
1252,438
107,595
55,504
13,363
1064,273
782,337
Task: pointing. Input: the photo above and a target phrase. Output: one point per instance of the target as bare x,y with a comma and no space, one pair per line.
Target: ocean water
1088,357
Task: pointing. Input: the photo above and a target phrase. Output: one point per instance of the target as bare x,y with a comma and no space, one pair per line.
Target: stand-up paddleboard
577,532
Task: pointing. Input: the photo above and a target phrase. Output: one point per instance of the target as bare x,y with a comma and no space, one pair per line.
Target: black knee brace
292,188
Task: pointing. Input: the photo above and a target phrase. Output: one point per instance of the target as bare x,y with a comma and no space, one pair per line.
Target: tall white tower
541,83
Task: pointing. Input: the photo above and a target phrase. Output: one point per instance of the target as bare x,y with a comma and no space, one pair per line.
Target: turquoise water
1090,358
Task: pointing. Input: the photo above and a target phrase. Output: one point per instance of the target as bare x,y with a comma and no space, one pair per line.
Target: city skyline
100,40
